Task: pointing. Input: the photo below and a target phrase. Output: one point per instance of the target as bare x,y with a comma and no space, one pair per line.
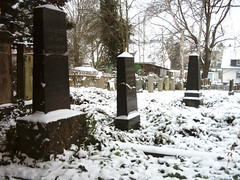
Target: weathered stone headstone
139,85
53,126
127,114
111,84
231,91
238,86
85,82
100,82
6,86
172,83
180,85
24,71
166,83
160,84
193,96
150,83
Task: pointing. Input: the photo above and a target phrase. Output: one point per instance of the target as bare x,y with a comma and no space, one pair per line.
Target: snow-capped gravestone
193,96
127,113
6,86
53,126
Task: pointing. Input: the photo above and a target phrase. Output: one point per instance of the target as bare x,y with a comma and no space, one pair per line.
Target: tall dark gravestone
231,91
127,114
50,72
193,96
6,88
53,126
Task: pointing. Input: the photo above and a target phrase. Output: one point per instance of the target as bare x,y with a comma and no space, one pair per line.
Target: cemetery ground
201,143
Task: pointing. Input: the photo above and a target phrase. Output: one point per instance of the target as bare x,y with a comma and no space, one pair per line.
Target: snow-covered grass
206,138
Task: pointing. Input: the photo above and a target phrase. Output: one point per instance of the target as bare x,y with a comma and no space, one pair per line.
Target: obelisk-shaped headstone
50,66
231,91
193,79
193,96
127,114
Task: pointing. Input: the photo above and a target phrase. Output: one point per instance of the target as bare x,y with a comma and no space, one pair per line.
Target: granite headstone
127,113
193,96
50,66
53,126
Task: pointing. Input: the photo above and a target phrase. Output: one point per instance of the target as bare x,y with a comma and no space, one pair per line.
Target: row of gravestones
25,78
53,126
103,82
111,84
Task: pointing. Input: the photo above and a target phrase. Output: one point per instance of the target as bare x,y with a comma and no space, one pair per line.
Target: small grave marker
150,83
166,83
231,91
160,84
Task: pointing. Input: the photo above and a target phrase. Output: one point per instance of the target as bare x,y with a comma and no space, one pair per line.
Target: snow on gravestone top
194,54
52,116
50,6
125,55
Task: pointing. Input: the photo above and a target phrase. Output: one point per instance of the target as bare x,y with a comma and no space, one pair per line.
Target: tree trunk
182,55
207,63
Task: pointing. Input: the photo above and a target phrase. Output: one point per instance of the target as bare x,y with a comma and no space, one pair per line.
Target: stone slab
192,94
132,121
39,139
193,101
166,151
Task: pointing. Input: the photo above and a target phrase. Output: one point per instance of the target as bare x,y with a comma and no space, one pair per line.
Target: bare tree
201,22
83,38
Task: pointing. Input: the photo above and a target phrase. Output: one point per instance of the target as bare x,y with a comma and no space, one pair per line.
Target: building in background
231,64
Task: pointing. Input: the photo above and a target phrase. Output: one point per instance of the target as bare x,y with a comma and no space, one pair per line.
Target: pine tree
18,16
110,33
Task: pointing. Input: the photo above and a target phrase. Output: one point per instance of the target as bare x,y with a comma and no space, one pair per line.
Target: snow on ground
166,123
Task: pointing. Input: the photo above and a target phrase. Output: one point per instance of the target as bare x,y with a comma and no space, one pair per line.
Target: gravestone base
132,121
193,98
40,135
230,93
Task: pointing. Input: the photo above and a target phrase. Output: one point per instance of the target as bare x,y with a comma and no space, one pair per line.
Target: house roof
151,63
230,53
86,69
